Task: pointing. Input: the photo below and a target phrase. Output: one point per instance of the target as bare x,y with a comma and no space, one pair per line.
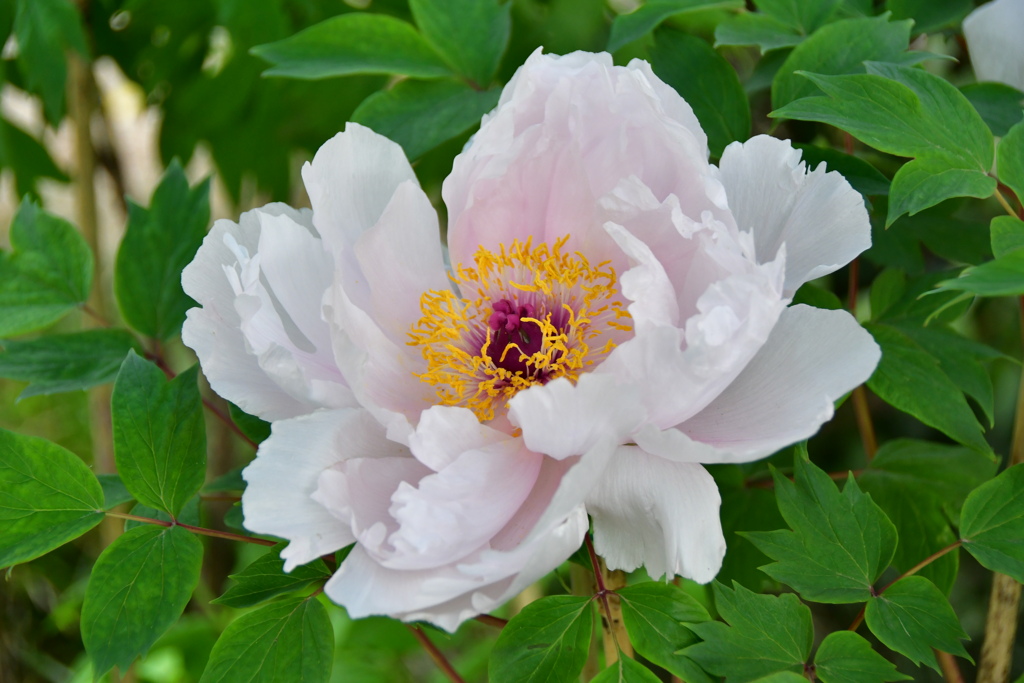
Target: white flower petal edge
657,513
817,215
993,33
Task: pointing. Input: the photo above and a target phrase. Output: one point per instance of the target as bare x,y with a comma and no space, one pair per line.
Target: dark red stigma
508,328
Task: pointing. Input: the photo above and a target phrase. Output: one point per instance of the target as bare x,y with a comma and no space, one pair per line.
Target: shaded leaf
845,657
628,27
45,29
114,491
471,35
1007,233
547,641
999,105
265,579
756,29
1010,161
654,614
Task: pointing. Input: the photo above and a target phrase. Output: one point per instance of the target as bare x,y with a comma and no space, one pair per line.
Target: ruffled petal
660,514
993,33
283,477
817,215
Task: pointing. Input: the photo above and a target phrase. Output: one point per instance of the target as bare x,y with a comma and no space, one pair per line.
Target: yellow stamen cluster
575,306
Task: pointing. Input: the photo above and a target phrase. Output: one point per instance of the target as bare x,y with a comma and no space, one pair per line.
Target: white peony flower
995,42
615,314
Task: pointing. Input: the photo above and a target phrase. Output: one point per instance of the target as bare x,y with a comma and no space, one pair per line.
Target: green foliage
265,579
845,657
354,44
1003,276
707,82
253,427
861,175
547,641
992,523
45,29
114,491
158,243
628,27
766,634
930,16
656,615
66,362
420,115
839,545
48,497
284,642
159,434
1007,235
1010,161
998,104
626,670
912,616
138,588
761,30
26,158
47,273
471,35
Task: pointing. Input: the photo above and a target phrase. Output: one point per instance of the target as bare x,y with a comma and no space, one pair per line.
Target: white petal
445,432
660,514
786,393
560,419
281,480
646,283
817,215
993,33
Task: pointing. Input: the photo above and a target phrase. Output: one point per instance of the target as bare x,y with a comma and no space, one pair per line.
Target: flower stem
435,654
194,529
1005,203
491,620
616,640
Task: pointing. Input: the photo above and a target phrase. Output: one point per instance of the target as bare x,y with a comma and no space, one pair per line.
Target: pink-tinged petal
400,258
993,33
646,283
282,479
560,419
787,392
450,514
445,432
817,215
273,360
660,514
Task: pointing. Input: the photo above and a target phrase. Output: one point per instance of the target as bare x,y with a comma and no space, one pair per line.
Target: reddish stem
439,659
491,620
194,529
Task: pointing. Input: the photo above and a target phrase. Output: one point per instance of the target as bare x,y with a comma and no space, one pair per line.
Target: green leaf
628,27
285,642
1011,160
420,115
766,634
805,16
1007,233
920,115
48,497
910,379
707,82
189,514
1003,276
861,40
471,35
886,290
654,614
139,587
926,182
159,434
626,670
27,158
845,657
265,579
252,426
66,362
158,244
45,29
47,273
992,523
999,105
547,641
114,491
356,43
839,545
756,29
930,16
912,616
864,177
816,296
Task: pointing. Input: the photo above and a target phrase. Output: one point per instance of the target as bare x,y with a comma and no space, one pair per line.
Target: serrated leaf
138,588
158,243
48,497
420,115
265,579
840,543
992,523
998,104
1007,234
912,616
47,273
910,379
547,641
471,35
159,434
923,183
654,614
66,362
628,27
756,29
707,82
626,670
845,657
45,29
861,40
356,43
284,642
1010,162
766,634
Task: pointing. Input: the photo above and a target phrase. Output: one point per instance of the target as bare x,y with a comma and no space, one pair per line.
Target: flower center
527,315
